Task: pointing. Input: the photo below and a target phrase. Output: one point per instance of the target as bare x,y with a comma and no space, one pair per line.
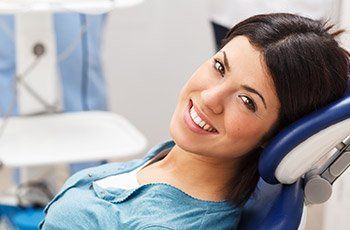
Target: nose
213,98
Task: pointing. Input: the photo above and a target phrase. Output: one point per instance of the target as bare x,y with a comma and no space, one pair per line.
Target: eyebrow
227,66
250,89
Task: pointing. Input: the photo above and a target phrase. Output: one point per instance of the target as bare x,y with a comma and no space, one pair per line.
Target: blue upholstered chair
299,166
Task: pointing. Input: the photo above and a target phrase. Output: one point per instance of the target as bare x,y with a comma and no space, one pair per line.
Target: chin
180,137
185,142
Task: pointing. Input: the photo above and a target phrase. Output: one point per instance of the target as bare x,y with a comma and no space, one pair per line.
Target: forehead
247,65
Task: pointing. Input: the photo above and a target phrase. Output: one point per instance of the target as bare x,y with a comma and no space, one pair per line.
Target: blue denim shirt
82,204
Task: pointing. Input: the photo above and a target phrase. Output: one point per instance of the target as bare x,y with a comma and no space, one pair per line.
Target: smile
196,120
199,121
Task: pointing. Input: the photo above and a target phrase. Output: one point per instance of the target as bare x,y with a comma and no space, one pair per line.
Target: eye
219,67
249,103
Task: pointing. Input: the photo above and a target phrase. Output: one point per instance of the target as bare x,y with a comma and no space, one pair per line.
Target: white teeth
200,122
206,127
197,120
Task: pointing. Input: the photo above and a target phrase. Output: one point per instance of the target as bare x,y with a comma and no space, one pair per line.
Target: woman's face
228,104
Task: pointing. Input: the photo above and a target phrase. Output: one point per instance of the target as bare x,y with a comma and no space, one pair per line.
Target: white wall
150,52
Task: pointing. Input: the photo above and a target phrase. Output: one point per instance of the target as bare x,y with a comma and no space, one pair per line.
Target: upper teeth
200,122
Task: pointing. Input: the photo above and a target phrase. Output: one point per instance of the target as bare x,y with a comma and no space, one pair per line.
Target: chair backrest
274,205
277,207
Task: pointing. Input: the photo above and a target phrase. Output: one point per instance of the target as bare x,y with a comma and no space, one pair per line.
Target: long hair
308,68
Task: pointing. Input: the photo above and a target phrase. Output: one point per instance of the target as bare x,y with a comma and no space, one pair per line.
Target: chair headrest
305,141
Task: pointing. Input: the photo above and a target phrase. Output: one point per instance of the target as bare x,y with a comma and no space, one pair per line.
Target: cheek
244,130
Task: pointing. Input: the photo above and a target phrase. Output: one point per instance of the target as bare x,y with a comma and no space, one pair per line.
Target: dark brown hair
308,68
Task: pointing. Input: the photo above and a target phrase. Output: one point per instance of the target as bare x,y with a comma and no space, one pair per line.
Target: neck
198,173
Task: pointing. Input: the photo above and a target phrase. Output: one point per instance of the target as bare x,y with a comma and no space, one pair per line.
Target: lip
190,123
202,115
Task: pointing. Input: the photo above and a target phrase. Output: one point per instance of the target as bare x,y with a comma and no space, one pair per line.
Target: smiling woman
271,70
237,99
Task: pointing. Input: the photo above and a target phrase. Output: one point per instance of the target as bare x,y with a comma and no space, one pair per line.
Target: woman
271,70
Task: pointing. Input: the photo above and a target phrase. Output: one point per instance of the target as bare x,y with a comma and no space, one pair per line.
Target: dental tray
69,137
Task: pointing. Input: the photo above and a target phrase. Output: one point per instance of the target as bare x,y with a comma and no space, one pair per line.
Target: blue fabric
82,204
299,131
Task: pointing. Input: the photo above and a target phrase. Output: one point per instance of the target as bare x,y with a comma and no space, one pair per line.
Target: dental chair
299,167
